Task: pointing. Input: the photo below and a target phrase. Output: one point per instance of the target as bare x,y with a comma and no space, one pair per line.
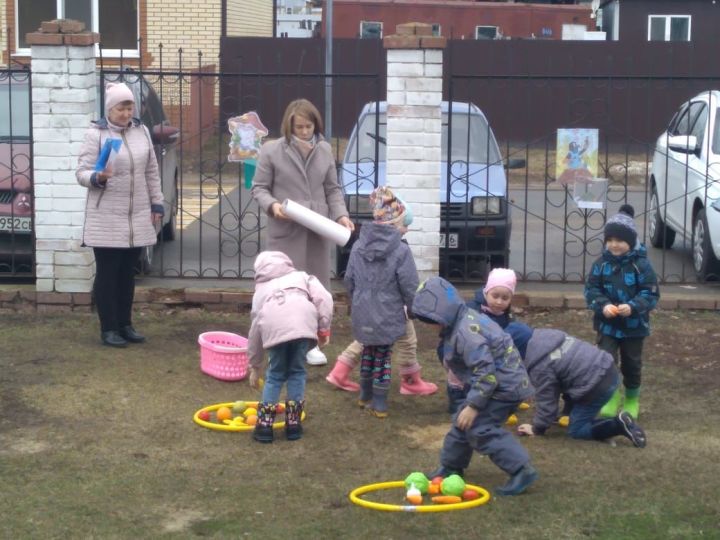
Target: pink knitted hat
116,93
501,277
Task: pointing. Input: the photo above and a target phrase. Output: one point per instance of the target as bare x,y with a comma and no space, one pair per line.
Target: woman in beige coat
124,203
300,166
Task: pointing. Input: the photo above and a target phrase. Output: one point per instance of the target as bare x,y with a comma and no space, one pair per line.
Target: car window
682,126
472,139
14,109
698,129
672,126
716,133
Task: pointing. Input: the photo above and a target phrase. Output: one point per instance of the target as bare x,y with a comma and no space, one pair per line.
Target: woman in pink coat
300,166
291,312
124,203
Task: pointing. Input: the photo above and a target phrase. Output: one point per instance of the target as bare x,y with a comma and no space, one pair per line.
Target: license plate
15,224
453,244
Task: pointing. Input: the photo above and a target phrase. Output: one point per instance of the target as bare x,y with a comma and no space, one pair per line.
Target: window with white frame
436,30
669,27
115,20
371,29
486,32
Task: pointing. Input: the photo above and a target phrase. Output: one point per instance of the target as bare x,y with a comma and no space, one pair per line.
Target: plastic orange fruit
223,413
251,420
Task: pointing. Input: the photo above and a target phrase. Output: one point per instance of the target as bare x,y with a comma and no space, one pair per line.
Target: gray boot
378,407
366,391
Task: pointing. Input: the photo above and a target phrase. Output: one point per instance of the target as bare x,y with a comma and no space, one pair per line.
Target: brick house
187,24
461,19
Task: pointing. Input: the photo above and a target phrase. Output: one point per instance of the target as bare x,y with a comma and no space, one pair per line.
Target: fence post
63,104
414,122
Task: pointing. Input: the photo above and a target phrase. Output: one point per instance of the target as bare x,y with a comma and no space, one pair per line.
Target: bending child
381,279
291,314
557,362
477,351
621,290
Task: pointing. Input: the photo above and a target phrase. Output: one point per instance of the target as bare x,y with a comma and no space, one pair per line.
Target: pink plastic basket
223,355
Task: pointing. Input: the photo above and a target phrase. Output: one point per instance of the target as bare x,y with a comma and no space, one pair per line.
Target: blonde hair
304,108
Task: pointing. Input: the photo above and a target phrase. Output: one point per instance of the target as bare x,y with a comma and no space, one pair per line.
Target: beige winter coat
281,174
119,215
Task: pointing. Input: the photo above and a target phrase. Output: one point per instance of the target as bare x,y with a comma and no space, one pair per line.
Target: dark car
475,222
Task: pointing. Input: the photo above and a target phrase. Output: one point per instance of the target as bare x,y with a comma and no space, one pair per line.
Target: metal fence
16,175
545,228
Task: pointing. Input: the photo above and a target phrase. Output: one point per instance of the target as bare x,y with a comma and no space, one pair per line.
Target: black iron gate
548,226
17,243
217,227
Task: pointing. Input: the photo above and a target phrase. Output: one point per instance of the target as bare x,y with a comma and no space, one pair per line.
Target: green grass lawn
100,443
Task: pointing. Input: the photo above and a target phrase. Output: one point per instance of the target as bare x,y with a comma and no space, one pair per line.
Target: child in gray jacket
381,280
586,375
485,361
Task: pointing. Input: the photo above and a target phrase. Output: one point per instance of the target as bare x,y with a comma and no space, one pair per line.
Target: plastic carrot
446,499
415,499
613,310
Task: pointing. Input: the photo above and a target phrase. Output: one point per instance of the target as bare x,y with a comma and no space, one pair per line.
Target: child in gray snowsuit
381,279
558,363
484,359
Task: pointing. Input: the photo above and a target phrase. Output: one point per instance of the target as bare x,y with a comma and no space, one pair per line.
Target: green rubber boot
632,402
612,407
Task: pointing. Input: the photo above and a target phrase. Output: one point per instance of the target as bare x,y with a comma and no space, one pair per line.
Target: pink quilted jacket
119,215
287,305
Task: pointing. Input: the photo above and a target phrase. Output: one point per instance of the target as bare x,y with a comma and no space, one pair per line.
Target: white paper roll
315,222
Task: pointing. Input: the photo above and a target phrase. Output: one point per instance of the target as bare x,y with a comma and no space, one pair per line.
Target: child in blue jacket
621,290
477,351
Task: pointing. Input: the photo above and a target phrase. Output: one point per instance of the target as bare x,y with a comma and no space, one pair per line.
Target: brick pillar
414,95
63,104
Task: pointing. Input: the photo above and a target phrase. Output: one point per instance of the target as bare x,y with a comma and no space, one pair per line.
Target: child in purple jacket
381,280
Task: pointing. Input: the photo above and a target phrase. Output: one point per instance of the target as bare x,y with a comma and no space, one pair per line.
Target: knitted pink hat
501,277
116,93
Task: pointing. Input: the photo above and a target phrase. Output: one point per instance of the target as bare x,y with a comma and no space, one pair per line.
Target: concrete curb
236,297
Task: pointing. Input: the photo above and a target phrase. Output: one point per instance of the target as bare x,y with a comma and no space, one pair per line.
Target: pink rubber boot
340,376
412,384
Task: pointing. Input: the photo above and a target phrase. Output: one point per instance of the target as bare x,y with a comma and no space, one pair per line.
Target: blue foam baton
111,146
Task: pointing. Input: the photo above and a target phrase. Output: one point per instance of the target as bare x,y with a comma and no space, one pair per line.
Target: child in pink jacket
291,313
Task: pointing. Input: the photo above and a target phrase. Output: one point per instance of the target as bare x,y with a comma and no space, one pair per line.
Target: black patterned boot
293,419
263,431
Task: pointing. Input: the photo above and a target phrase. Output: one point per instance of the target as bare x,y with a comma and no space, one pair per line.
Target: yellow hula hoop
355,498
231,427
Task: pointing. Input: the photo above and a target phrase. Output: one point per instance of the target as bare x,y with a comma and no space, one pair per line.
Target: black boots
131,335
519,481
112,338
444,472
623,424
115,338
263,431
293,419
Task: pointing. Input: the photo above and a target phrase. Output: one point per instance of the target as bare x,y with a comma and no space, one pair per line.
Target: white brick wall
63,96
414,96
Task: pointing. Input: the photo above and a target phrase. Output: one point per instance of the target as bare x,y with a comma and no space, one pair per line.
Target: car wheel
168,230
704,261
660,234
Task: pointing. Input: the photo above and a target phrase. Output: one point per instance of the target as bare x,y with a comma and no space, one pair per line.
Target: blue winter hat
622,226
